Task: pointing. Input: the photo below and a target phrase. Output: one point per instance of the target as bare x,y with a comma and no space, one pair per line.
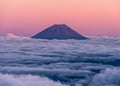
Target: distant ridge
59,31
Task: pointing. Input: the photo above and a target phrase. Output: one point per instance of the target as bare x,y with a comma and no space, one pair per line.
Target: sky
88,17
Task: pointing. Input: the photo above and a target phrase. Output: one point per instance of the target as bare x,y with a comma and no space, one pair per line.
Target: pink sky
88,17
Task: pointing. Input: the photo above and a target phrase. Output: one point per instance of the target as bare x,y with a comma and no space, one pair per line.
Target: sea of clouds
26,80
109,77
36,62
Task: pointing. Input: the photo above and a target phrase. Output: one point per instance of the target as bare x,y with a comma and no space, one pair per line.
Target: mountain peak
59,31
59,25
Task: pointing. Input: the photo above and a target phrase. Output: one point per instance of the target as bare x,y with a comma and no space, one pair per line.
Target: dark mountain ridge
59,31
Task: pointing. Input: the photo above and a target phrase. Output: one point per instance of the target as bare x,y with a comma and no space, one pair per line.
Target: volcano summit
59,31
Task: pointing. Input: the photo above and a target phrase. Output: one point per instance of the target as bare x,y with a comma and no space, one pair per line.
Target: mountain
59,31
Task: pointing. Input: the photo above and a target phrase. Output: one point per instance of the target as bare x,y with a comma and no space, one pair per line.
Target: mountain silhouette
59,31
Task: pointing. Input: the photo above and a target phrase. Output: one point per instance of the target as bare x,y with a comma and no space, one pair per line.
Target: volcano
59,31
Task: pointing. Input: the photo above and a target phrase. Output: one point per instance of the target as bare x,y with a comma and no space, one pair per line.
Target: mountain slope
59,32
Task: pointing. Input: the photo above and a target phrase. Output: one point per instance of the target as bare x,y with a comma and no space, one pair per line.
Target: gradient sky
88,17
